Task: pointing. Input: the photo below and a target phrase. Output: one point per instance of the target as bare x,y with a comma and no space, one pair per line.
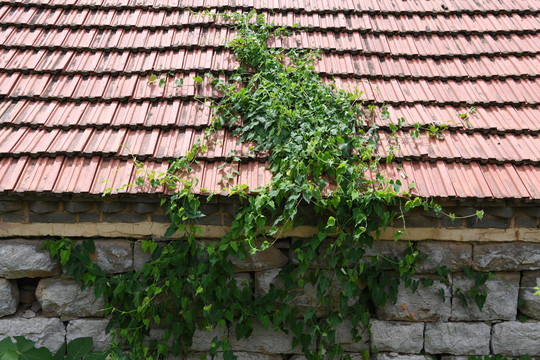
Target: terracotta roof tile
75,102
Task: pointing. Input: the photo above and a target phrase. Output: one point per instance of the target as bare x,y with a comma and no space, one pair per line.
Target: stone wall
41,303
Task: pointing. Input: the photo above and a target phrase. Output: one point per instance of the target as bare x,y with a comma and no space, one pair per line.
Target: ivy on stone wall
323,151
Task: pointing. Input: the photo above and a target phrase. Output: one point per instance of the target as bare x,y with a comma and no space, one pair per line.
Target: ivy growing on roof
322,147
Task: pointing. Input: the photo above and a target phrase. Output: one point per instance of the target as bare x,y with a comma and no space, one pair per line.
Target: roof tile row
166,144
356,42
178,113
141,18
94,175
317,6
72,62
47,86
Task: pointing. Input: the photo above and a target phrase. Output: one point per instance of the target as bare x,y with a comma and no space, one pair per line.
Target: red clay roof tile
74,90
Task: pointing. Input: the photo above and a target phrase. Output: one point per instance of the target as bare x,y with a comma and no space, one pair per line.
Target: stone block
202,339
514,338
530,302
18,216
110,207
123,217
453,255
446,222
49,333
23,258
344,337
500,211
457,338
64,298
9,206
304,298
403,337
501,301
263,280
506,256
387,248
140,257
426,304
270,258
264,341
54,217
94,328
90,217
78,206
210,220
488,222
395,356
525,221
144,207
113,256
160,218
243,280
43,207
9,297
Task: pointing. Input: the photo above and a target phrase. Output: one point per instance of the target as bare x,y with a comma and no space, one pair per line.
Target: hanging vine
323,151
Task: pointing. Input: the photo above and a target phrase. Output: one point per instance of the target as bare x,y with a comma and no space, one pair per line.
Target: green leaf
78,348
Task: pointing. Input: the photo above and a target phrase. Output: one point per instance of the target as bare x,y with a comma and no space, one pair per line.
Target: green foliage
75,258
478,292
24,349
323,149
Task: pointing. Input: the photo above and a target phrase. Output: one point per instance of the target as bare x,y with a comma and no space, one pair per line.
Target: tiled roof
75,100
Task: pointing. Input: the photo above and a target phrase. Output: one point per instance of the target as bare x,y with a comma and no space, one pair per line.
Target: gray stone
514,338
457,338
9,206
94,328
426,304
345,338
500,211
394,356
22,258
29,314
140,257
43,207
49,333
270,258
487,222
202,339
124,217
403,337
113,256
453,255
506,256
15,217
387,248
243,280
55,217
9,297
64,298
78,206
304,298
89,217
144,207
530,302
264,341
111,206
501,301
263,280
454,357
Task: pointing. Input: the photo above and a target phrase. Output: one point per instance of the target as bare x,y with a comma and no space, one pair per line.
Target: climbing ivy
323,151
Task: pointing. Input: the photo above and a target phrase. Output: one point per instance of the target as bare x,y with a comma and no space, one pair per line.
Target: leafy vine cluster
322,147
